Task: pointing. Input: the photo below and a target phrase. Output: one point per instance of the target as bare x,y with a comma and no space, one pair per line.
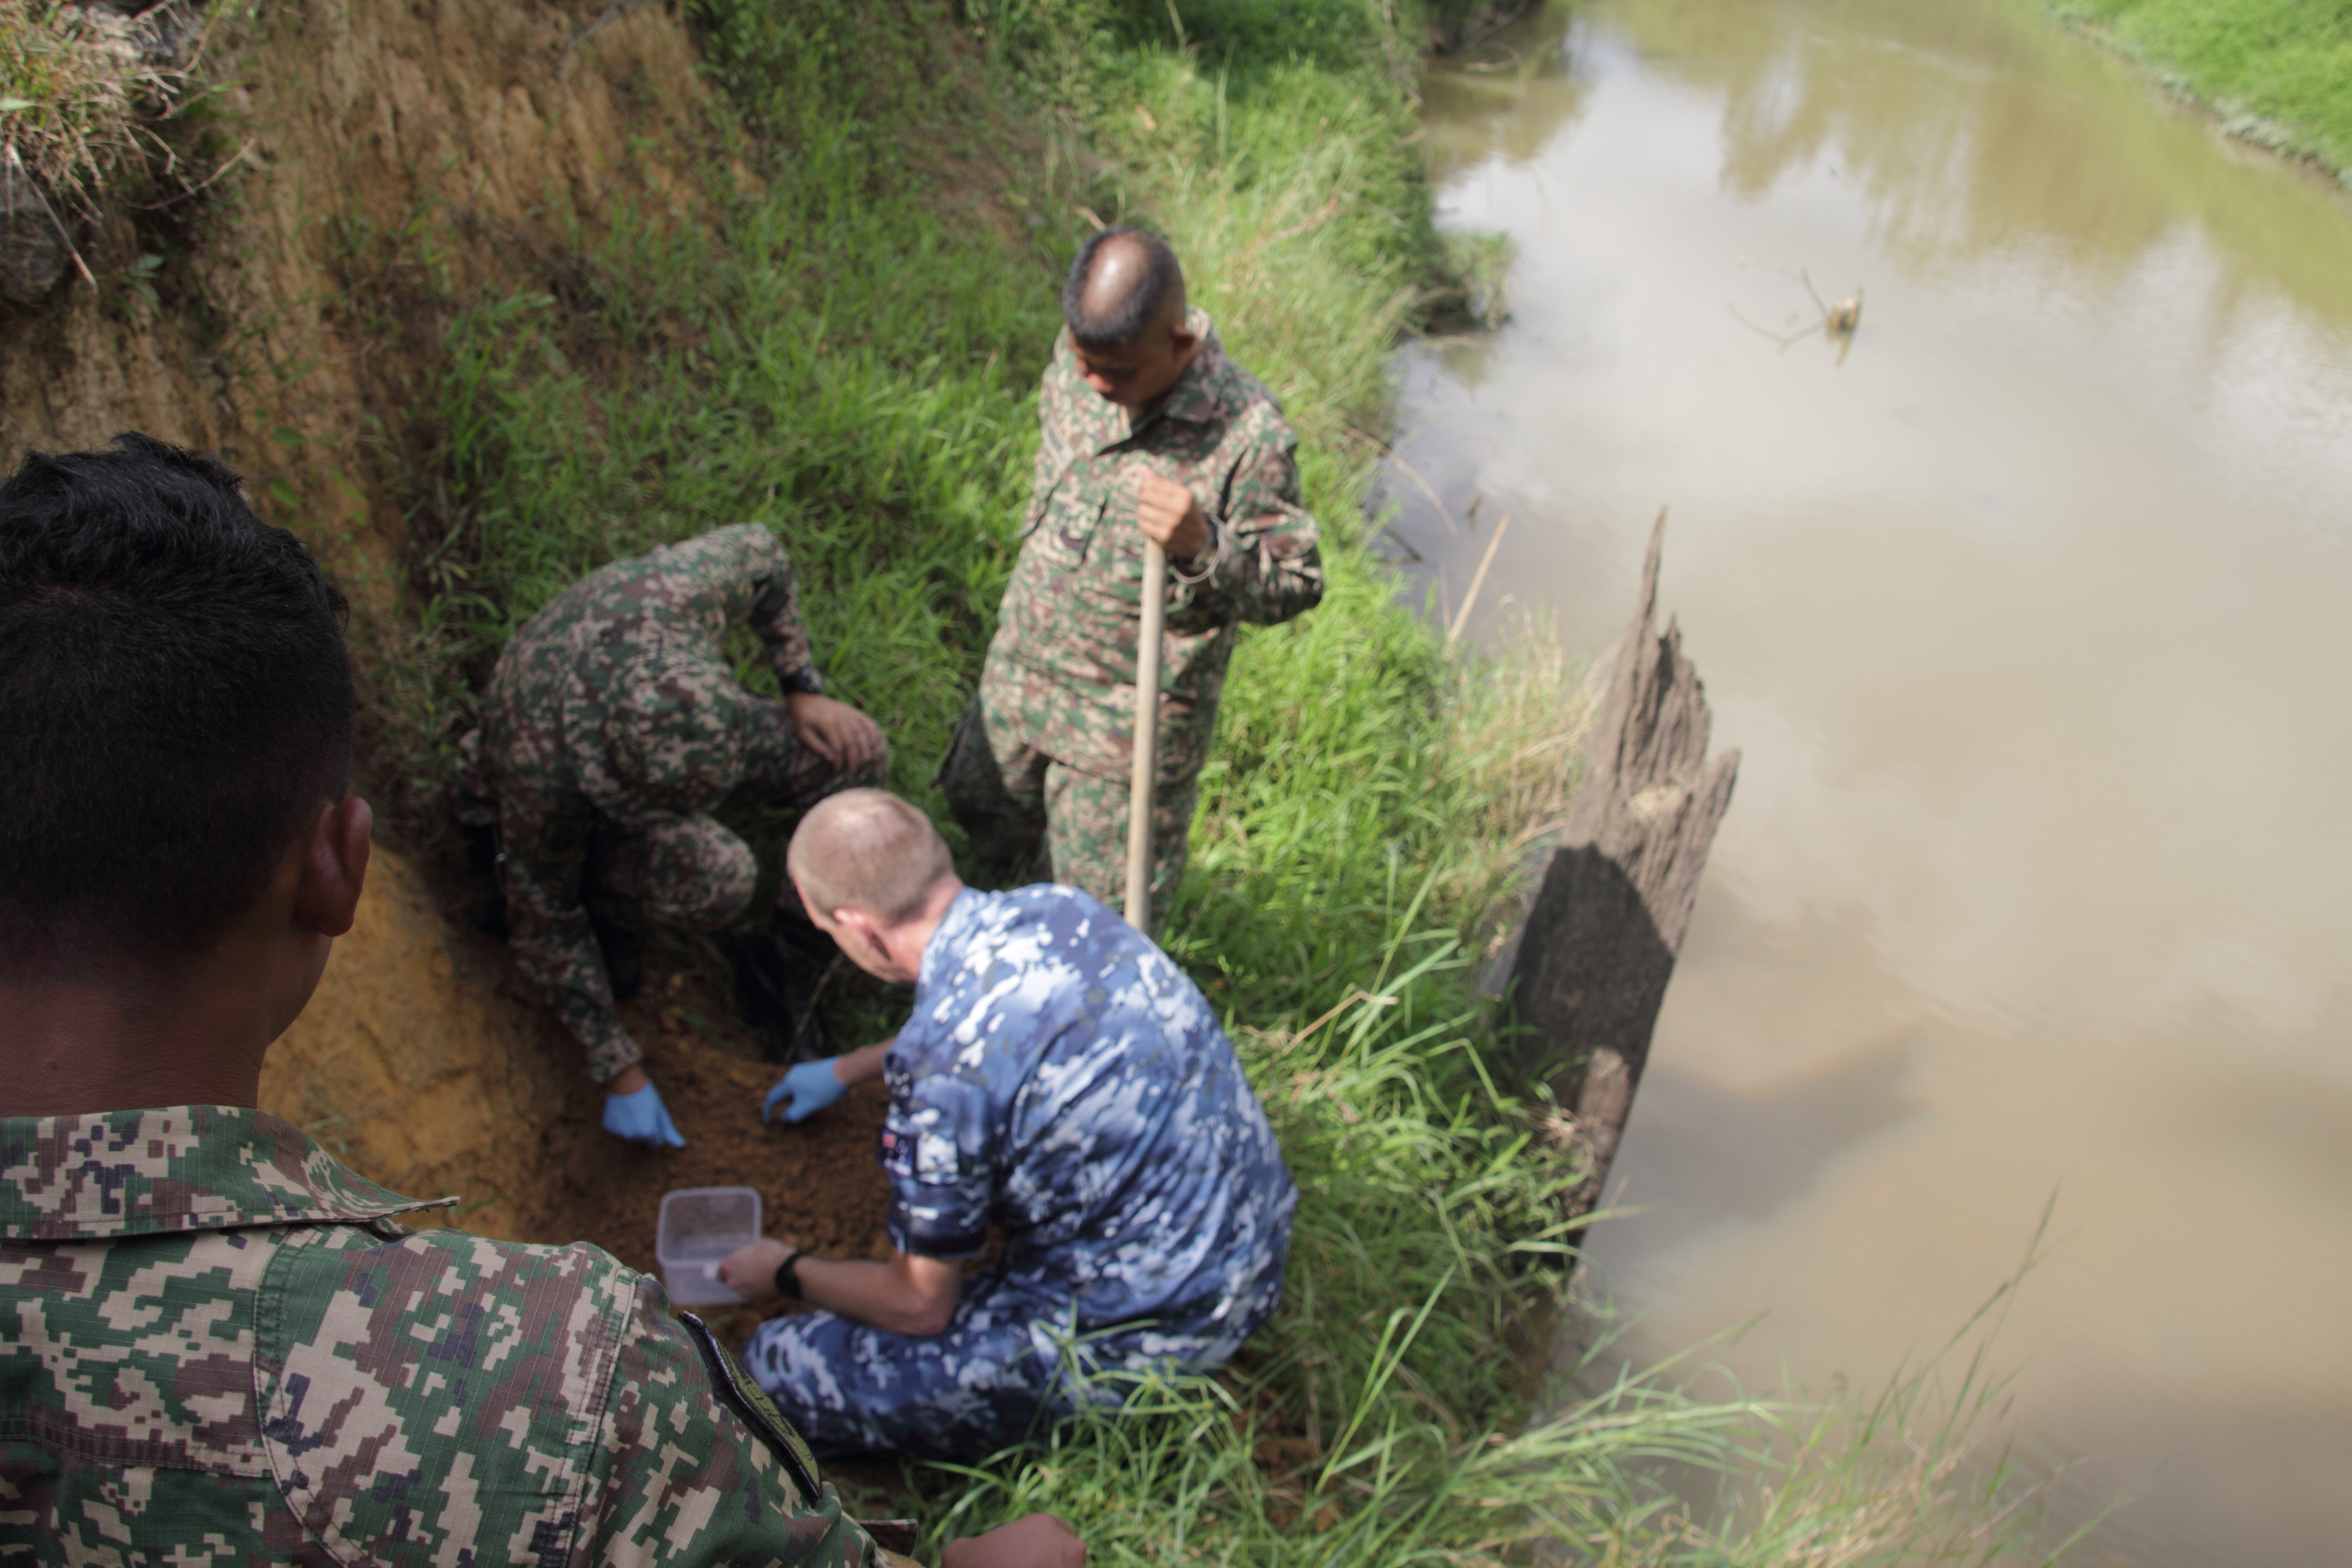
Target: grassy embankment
2278,72
90,115
849,352
71,86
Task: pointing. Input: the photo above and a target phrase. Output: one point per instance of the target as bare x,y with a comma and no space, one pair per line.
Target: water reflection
1716,1152
1960,128
2029,621
1515,114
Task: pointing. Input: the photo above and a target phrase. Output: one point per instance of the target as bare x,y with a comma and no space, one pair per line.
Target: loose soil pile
818,1183
428,1063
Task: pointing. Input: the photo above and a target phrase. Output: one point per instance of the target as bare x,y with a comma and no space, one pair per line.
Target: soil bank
424,1059
426,1062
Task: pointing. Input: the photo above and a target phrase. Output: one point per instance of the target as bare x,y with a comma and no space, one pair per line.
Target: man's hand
751,1270
908,1295
1169,517
1040,1541
804,1090
641,1117
835,730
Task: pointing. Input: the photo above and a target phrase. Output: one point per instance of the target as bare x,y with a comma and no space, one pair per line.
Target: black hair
1131,317
176,701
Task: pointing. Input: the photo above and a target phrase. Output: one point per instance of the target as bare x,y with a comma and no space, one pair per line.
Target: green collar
113,1173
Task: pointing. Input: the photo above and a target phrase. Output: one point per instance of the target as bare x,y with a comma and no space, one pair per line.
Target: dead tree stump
1602,935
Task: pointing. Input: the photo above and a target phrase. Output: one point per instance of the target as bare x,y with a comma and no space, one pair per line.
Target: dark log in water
1601,936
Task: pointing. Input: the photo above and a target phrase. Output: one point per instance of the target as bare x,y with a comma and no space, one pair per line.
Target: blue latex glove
805,1090
641,1118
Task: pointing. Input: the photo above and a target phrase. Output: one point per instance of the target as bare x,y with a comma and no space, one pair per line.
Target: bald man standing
1148,430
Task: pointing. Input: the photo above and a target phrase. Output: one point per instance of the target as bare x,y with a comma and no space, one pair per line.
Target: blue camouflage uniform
1063,1082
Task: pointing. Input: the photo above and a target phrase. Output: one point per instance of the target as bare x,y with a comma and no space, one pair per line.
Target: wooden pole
1146,738
1461,617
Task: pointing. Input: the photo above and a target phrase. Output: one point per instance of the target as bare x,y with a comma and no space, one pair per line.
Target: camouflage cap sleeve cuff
611,1051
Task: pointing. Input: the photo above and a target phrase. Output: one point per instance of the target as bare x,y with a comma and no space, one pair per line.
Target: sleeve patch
936,1158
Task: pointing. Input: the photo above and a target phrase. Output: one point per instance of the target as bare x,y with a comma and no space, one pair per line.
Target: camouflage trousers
1012,799
561,860
697,875
692,873
964,1393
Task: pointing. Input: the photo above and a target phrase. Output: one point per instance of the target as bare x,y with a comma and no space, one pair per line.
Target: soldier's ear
334,867
1183,348
857,927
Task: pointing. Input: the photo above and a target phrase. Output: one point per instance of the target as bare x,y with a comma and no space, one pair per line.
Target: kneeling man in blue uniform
1060,1081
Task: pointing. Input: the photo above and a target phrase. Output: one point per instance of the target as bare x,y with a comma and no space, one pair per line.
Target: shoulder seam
45,1428
589,1430
268,1361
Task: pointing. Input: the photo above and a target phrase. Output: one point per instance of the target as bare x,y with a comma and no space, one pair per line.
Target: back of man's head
1124,282
866,849
176,703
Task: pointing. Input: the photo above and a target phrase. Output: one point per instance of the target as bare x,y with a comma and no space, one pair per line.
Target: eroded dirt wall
424,1059
359,119
426,1063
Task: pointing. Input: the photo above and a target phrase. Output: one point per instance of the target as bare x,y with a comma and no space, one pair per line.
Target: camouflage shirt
1061,1080
222,1346
1064,656
616,700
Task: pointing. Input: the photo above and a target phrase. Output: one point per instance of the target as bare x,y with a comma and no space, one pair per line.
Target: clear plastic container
699,1226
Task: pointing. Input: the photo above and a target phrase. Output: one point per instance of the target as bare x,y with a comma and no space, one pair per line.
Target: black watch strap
788,1277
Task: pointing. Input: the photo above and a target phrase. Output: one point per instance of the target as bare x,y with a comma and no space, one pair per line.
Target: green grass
87,107
71,86
2277,71
846,348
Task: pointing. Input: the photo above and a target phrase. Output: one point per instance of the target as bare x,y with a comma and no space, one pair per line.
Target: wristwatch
1210,554
788,1278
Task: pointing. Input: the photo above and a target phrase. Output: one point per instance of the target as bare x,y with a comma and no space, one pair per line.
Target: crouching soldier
1061,1081
222,1345
611,732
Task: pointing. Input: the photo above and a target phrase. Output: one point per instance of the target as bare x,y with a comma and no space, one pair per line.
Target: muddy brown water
2030,615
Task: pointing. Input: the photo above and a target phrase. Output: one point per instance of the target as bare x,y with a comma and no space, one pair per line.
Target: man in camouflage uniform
1147,430
613,727
1061,1082
219,1335
221,1345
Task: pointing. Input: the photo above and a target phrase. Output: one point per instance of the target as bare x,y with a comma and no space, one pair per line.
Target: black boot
624,953
779,973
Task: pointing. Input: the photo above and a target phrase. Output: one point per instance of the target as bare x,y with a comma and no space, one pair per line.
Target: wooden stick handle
1146,738
1461,617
